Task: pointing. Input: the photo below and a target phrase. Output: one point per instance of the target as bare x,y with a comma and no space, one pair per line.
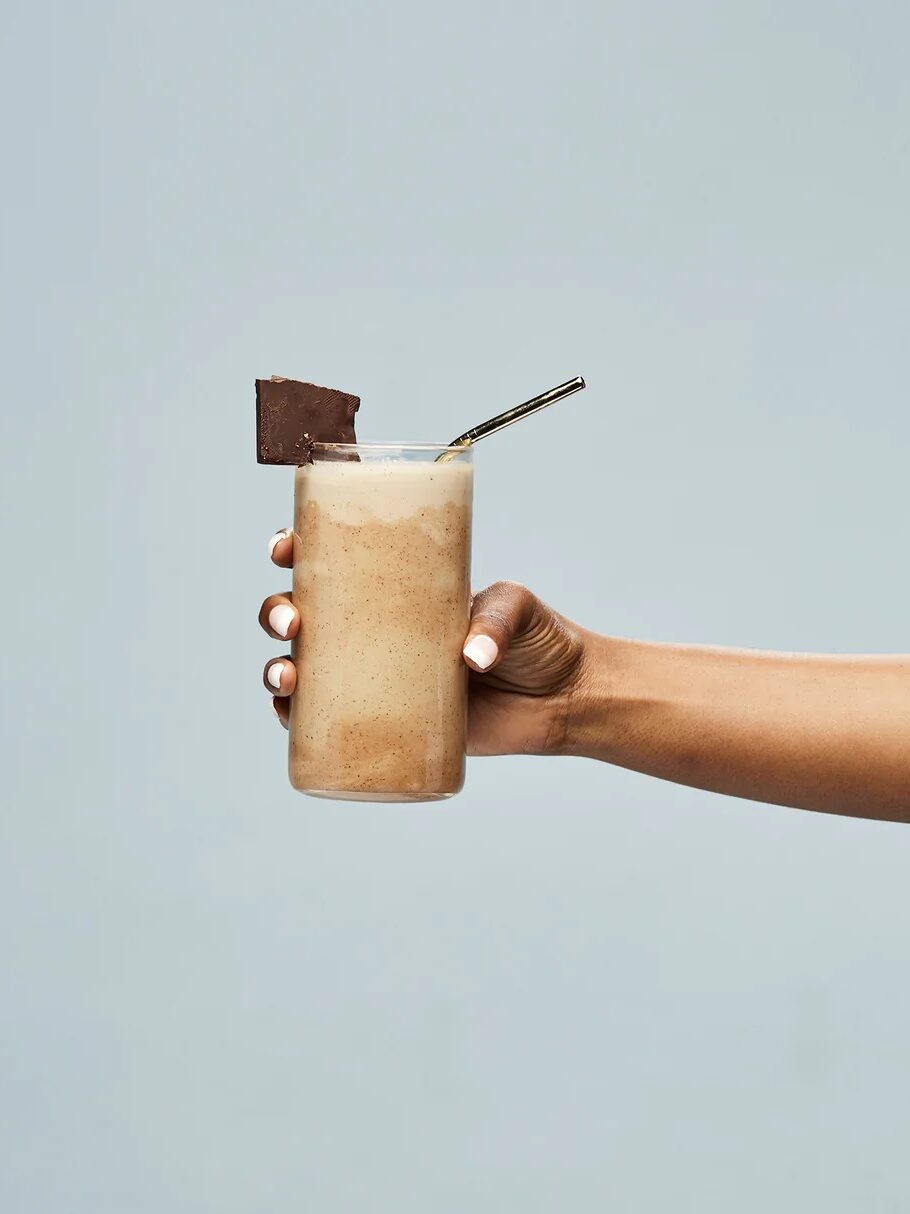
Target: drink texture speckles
381,581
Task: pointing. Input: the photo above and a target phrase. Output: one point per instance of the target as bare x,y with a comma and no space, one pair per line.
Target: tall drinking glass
382,548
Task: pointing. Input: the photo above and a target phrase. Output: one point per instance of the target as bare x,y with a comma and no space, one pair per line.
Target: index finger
281,548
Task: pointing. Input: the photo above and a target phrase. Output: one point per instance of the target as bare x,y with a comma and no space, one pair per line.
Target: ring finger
280,676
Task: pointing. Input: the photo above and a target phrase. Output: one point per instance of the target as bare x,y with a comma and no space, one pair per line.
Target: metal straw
513,415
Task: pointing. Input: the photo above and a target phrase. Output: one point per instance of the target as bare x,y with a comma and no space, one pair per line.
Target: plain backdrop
573,988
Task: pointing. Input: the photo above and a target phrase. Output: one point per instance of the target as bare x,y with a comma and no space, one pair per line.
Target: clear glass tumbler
382,550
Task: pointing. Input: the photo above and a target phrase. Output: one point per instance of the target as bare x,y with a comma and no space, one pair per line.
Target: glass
382,547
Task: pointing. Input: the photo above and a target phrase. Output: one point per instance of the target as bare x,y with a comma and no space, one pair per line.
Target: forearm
824,733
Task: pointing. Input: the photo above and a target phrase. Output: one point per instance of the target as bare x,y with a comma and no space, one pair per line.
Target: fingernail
274,675
280,618
277,538
482,651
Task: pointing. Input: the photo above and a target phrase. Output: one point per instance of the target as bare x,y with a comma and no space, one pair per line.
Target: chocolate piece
291,417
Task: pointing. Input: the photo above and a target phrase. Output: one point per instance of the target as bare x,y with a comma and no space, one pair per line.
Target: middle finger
278,616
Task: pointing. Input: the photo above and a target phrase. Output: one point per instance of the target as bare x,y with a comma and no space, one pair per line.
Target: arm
824,733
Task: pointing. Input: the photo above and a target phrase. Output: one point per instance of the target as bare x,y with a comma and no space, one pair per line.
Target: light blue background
574,988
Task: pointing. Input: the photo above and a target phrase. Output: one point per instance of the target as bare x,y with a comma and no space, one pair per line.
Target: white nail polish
280,618
276,540
482,651
274,675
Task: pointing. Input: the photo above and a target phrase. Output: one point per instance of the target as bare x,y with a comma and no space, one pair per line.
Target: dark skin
814,731
521,705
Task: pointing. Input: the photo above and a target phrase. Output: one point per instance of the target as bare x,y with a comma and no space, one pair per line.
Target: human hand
527,666
526,663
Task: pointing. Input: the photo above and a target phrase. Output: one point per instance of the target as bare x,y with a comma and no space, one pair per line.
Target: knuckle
510,600
511,590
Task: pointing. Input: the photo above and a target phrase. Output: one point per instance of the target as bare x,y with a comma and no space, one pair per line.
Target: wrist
592,695
614,695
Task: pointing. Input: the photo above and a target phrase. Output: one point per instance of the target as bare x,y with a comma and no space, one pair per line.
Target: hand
825,732
526,665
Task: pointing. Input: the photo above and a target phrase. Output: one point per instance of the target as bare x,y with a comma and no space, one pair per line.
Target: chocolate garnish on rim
293,417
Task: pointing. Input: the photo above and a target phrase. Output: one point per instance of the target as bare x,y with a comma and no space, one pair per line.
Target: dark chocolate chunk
291,417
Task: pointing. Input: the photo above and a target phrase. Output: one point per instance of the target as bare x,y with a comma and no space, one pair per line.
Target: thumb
498,614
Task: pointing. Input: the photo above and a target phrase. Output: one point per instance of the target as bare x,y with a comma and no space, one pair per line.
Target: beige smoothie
381,581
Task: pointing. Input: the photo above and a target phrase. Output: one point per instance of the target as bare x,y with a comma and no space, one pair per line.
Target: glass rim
460,447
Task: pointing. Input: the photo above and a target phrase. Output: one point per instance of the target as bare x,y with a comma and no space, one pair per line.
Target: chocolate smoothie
381,581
